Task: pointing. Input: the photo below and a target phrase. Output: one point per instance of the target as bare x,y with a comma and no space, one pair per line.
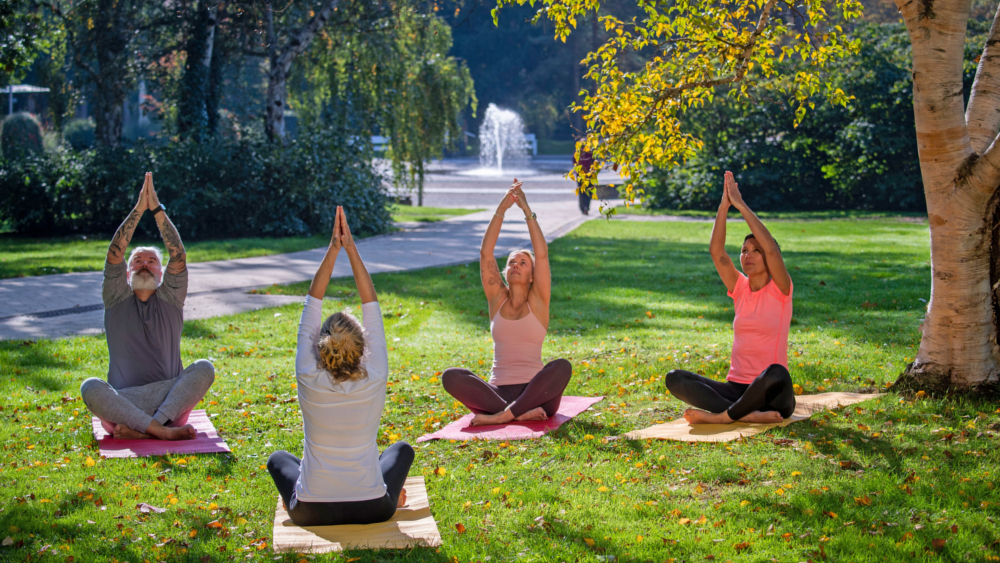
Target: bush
20,136
217,189
79,133
863,156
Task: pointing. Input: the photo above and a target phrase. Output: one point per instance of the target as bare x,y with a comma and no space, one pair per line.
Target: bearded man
149,393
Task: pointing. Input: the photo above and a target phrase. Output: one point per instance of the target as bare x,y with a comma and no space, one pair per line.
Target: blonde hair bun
341,347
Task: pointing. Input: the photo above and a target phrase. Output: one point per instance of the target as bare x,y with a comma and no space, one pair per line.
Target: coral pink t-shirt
760,329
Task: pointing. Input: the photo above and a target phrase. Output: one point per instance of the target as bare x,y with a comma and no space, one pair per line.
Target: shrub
79,133
20,135
216,189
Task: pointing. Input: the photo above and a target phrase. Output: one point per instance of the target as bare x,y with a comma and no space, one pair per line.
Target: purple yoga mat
205,442
460,429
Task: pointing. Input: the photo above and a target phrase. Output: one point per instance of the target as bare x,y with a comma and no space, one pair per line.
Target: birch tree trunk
958,349
281,63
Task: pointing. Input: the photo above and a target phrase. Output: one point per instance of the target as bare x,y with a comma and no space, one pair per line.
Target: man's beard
144,279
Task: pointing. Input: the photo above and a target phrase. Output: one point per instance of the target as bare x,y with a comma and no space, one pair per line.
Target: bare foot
537,413
502,417
123,432
283,505
763,417
698,416
157,430
402,499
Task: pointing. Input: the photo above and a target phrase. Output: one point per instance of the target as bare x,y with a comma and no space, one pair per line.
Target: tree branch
982,115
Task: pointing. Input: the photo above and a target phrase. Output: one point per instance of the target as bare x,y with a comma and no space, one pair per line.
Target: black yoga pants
770,391
544,390
395,462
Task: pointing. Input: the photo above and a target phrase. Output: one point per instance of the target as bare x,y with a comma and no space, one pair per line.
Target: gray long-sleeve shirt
144,339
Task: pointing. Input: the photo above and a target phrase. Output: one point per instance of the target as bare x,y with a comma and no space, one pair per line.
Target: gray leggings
137,407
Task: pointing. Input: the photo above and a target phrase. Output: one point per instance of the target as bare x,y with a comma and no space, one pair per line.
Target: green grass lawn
893,479
785,215
22,256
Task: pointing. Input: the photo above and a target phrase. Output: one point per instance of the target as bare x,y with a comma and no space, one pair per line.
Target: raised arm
542,277
123,236
172,240
366,289
723,263
493,285
775,262
317,289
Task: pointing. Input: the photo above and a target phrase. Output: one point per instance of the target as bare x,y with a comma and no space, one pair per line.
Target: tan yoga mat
805,406
411,526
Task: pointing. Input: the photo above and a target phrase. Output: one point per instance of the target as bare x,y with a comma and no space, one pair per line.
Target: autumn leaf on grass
847,464
460,528
702,520
214,524
741,546
863,501
589,542
89,462
830,514
440,471
684,521
147,508
938,544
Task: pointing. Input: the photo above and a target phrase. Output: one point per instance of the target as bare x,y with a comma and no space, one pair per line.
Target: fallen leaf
589,542
741,546
214,524
440,471
147,508
602,489
830,514
89,462
7,541
744,502
863,501
846,464
938,544
684,521
460,528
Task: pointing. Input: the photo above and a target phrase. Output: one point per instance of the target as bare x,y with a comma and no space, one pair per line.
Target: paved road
68,304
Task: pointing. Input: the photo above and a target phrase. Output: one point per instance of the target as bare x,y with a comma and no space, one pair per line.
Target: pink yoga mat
460,429
205,442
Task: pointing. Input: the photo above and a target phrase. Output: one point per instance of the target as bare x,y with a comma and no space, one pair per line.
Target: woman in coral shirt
758,387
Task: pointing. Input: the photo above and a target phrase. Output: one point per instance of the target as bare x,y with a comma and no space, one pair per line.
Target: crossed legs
395,463
492,404
158,410
770,398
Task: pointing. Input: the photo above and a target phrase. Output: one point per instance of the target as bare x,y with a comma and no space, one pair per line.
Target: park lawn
892,479
408,213
22,256
782,215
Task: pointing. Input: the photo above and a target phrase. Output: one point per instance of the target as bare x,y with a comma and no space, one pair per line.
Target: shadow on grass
25,358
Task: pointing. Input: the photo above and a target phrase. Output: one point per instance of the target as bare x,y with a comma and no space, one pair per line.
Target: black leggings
770,391
544,390
395,462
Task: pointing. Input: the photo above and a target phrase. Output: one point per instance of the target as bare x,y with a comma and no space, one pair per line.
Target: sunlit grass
893,479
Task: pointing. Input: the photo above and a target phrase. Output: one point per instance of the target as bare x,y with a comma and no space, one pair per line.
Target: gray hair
153,249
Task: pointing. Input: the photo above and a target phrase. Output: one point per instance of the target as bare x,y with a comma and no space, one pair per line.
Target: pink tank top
517,348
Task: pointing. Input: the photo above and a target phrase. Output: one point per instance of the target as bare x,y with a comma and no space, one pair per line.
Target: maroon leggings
544,390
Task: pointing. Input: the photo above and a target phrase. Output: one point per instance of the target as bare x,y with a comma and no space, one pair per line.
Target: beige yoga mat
805,406
411,526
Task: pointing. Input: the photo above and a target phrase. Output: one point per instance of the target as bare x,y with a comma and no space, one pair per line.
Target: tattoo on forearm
175,247
490,273
123,236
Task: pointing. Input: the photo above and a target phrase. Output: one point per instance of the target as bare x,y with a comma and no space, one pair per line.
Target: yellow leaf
699,490
744,502
240,521
780,491
589,542
638,538
796,473
440,471
684,521
193,533
602,489
213,506
173,501
89,462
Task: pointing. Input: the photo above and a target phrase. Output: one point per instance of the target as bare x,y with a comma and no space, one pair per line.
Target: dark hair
750,236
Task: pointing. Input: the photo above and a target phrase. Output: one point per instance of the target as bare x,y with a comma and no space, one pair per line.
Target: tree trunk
281,64
958,349
193,119
111,78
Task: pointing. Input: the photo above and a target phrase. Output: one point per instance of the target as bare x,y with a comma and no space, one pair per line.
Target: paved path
69,304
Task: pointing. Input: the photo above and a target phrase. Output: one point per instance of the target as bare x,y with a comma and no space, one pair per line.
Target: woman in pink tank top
520,388
758,387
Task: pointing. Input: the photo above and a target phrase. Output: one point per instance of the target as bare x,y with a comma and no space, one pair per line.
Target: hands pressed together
342,232
147,195
731,193
515,195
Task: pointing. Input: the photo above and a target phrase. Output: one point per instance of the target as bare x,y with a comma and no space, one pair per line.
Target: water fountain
501,142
